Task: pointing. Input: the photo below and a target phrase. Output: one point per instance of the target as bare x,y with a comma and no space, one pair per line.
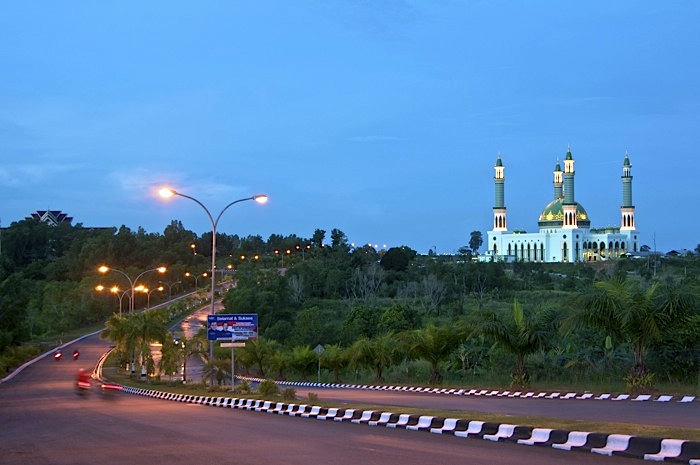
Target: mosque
565,233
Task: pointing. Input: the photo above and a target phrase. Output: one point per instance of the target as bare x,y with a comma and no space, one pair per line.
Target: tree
363,320
339,240
303,360
638,315
257,352
218,368
147,327
433,344
465,252
399,317
475,241
397,258
376,353
318,237
335,358
119,330
170,357
365,283
521,334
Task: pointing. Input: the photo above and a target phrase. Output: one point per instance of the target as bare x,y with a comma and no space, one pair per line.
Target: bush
313,397
244,387
268,388
15,356
289,394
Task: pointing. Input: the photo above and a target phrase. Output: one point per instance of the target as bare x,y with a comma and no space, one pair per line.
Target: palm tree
218,368
119,330
334,357
522,334
257,352
636,314
303,359
147,328
279,361
377,353
170,355
434,345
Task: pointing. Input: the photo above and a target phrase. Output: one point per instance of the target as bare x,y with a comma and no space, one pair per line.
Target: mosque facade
565,234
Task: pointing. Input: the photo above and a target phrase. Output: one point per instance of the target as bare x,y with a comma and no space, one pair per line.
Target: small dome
553,215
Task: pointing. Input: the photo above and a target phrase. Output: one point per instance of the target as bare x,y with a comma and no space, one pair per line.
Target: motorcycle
76,354
57,355
82,383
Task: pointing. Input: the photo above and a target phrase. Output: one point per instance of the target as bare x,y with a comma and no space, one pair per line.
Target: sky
380,118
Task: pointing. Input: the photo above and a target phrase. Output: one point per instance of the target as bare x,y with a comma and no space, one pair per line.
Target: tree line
378,314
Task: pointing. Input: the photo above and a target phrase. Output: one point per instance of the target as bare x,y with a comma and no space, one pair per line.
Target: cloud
34,173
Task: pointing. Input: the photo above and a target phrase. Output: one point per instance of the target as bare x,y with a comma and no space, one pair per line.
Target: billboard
234,327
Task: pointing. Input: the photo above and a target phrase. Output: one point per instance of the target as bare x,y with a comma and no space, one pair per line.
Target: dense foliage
380,315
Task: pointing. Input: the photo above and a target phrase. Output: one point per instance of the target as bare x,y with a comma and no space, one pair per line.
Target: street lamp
196,278
104,269
116,291
167,193
170,286
149,292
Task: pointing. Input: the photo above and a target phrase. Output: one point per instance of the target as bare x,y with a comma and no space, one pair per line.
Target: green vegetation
392,316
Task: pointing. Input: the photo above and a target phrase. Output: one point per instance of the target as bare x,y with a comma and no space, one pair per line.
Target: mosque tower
558,182
499,209
627,209
569,204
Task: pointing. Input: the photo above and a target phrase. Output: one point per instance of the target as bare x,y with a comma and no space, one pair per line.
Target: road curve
45,422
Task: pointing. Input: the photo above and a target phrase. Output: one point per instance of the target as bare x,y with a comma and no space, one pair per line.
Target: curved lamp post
151,291
170,287
167,193
104,269
116,291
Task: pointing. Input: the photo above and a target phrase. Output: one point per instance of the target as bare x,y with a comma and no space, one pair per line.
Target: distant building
52,217
565,233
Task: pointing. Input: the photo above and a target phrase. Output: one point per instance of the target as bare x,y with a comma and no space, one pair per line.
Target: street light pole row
104,269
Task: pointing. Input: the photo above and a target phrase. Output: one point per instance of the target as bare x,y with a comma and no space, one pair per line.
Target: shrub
268,388
289,394
244,387
313,397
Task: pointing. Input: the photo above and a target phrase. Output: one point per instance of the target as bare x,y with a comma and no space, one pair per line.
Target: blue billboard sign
233,327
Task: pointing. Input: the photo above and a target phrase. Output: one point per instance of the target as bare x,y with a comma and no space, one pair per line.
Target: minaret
558,182
627,209
499,209
569,204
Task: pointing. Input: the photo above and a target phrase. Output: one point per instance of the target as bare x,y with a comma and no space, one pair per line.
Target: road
647,412
43,421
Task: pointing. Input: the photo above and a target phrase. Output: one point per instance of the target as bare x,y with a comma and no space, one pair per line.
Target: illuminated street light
167,193
170,286
196,278
116,291
145,290
104,269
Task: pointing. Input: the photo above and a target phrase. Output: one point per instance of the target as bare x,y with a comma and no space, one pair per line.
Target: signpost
319,351
232,327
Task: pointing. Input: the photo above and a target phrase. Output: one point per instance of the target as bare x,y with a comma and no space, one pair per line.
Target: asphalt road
44,421
635,412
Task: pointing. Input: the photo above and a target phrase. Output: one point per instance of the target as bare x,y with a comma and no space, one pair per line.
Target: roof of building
553,215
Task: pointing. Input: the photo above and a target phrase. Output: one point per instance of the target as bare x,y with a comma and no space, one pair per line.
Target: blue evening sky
382,118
